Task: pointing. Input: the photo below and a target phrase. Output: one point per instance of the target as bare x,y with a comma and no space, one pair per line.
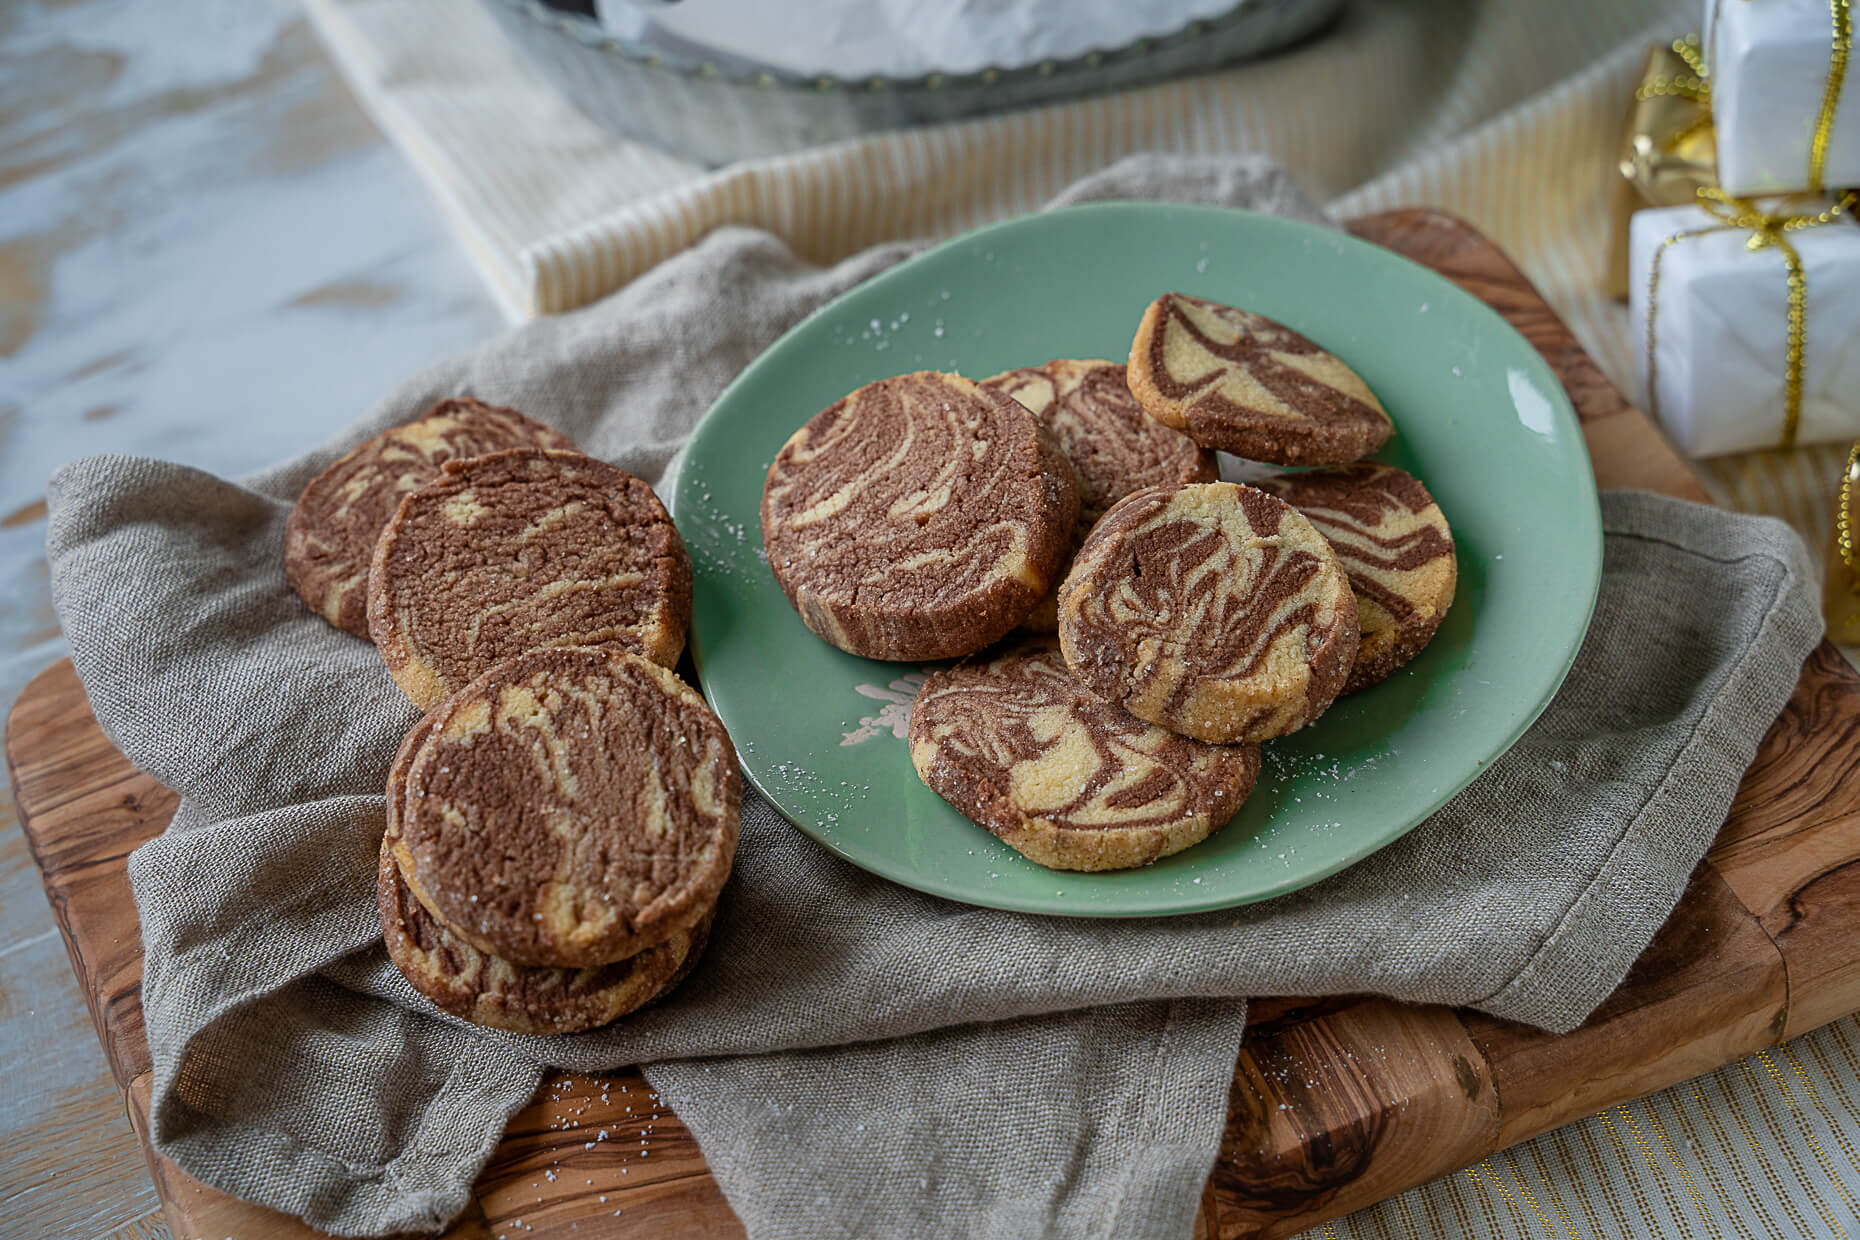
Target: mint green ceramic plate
1480,419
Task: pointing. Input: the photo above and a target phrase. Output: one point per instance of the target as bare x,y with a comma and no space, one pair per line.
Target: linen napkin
854,1058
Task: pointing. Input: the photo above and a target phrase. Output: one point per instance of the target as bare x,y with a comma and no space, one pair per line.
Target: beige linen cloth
854,1058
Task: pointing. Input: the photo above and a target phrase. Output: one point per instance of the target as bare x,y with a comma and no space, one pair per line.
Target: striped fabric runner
1505,112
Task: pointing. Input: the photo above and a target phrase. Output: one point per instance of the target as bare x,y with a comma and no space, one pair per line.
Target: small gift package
1749,321
1666,152
1787,118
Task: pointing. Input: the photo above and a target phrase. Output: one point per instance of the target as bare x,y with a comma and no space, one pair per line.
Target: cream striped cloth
1505,112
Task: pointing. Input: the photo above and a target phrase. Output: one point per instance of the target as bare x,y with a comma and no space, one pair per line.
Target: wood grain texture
1335,1103
1335,1110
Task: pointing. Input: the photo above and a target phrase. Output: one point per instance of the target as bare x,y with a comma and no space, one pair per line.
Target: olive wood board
1336,1104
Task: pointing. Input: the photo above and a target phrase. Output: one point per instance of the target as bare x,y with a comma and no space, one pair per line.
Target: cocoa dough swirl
1241,382
571,807
521,550
921,517
1116,448
489,990
1396,547
1019,747
331,534
1214,610
1113,445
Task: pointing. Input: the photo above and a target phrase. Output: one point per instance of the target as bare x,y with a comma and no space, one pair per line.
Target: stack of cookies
1163,622
561,821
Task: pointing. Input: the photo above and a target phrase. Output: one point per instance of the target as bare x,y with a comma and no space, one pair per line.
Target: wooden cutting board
1335,1104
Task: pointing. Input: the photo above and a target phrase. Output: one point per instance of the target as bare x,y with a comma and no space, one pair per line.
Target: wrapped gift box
1770,63
1719,325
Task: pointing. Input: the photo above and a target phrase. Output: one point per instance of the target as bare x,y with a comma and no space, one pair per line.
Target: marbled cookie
570,807
921,517
1214,610
1114,446
330,537
1020,747
1395,546
1240,382
518,551
489,990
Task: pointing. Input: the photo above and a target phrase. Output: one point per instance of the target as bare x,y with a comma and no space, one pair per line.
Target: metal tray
712,114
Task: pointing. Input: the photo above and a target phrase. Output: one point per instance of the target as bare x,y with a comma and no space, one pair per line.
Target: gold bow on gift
1768,227
1668,148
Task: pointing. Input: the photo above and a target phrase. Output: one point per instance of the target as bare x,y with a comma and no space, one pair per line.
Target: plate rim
1563,411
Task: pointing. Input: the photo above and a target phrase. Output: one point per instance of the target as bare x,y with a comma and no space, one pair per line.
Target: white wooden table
207,254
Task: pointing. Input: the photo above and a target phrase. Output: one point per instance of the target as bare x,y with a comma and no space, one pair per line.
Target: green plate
1480,419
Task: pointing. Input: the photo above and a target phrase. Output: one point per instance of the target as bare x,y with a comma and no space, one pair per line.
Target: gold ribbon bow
1767,228
1667,150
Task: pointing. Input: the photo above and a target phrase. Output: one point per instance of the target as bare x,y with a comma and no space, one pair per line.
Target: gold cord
1767,228
1844,519
1831,93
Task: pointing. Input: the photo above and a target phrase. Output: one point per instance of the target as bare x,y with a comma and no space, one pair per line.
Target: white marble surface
207,254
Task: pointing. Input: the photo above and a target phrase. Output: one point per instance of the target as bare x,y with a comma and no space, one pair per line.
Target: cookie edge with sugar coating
1264,440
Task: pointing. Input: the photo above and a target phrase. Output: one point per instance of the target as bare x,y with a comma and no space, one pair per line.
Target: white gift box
1720,331
1769,63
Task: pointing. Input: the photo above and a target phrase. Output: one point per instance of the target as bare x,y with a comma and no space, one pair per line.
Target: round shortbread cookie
1240,382
570,807
1214,610
519,551
330,537
1113,445
1020,747
920,517
489,990
1394,545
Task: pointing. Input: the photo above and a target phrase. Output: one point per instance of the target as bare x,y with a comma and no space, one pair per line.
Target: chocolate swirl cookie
1396,548
1020,747
921,517
330,537
1214,610
570,807
1113,445
1239,381
489,990
519,551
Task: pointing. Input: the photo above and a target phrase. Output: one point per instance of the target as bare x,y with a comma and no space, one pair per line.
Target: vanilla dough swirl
920,517
1214,610
1019,747
1243,383
1396,548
